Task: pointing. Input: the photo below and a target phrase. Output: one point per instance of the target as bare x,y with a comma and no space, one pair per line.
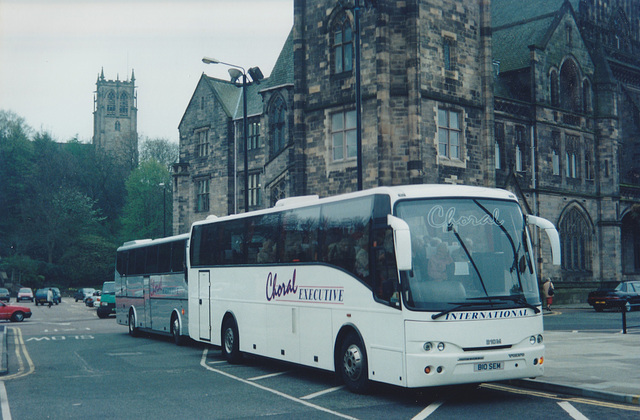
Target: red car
14,313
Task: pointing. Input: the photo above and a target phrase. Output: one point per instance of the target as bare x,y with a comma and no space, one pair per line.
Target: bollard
626,308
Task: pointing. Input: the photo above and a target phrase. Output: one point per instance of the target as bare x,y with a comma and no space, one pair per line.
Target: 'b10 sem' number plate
484,367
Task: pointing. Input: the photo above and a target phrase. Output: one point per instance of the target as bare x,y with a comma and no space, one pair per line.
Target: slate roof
282,73
517,24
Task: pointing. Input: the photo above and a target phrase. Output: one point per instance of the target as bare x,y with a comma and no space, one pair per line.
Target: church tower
115,119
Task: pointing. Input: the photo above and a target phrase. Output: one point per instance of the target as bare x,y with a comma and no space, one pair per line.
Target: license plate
485,367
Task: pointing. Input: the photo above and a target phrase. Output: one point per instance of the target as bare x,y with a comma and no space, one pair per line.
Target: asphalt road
65,363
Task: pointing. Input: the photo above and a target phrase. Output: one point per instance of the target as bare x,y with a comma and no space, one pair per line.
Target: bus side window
386,273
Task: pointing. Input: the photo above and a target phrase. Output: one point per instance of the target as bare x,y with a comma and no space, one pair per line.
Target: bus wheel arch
133,330
351,362
230,339
175,327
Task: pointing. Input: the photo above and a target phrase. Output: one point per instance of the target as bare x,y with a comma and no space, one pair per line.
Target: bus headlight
540,339
532,340
427,346
441,346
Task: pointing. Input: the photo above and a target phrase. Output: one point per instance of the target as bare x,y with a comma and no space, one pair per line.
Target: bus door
147,303
204,299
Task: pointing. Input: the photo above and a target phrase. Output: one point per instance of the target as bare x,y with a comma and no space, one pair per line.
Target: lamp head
235,74
209,60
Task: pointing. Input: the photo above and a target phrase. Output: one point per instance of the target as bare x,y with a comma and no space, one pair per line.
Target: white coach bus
151,286
413,286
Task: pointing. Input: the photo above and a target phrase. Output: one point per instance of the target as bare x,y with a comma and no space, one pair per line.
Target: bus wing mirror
401,242
552,234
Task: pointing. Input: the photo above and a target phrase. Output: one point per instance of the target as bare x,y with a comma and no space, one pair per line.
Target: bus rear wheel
231,341
176,332
133,331
353,364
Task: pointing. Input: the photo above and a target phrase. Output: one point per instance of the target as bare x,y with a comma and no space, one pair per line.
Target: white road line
428,411
271,375
319,393
572,411
4,402
203,363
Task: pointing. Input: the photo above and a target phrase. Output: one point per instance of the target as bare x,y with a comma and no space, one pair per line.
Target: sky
52,51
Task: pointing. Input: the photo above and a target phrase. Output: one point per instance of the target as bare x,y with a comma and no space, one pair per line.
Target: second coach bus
413,286
151,287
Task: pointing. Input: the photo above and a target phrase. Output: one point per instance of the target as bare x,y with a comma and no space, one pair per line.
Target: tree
146,215
160,150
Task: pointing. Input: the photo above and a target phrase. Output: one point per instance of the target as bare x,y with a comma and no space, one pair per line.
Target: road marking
203,363
571,410
319,393
547,395
4,402
428,411
271,375
21,350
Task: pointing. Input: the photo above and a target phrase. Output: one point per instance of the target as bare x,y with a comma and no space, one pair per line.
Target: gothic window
570,87
278,191
117,126
343,136
254,134
254,190
449,133
342,45
202,148
277,125
575,237
202,195
521,147
555,162
499,145
571,157
448,49
124,104
553,87
111,103
588,166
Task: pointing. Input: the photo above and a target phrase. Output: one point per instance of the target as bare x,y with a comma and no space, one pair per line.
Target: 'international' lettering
480,315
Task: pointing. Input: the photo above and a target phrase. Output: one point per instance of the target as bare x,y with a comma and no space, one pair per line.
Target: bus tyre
176,333
133,331
231,341
353,364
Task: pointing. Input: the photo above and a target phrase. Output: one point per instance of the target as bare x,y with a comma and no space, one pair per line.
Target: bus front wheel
354,369
176,332
133,331
231,341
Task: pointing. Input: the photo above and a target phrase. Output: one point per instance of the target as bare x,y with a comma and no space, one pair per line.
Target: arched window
117,126
631,243
111,103
570,87
575,237
124,104
553,88
277,126
342,45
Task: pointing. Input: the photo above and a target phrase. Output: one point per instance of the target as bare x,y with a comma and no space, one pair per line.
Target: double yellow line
25,364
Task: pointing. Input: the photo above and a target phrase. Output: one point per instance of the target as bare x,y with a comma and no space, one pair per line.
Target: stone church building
539,97
115,119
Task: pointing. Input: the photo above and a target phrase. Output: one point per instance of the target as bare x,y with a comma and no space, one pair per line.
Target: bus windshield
467,254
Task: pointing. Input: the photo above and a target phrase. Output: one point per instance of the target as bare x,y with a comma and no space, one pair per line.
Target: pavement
602,365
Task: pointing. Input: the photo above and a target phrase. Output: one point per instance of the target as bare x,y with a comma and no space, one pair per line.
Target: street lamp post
235,72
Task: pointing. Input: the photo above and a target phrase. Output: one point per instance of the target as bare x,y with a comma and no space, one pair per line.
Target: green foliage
61,207
145,213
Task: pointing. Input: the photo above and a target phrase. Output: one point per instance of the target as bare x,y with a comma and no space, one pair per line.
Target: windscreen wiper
466,251
519,299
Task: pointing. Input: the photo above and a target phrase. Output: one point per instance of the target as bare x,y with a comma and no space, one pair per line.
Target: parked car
83,292
25,293
4,294
94,299
14,313
615,295
107,304
41,296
